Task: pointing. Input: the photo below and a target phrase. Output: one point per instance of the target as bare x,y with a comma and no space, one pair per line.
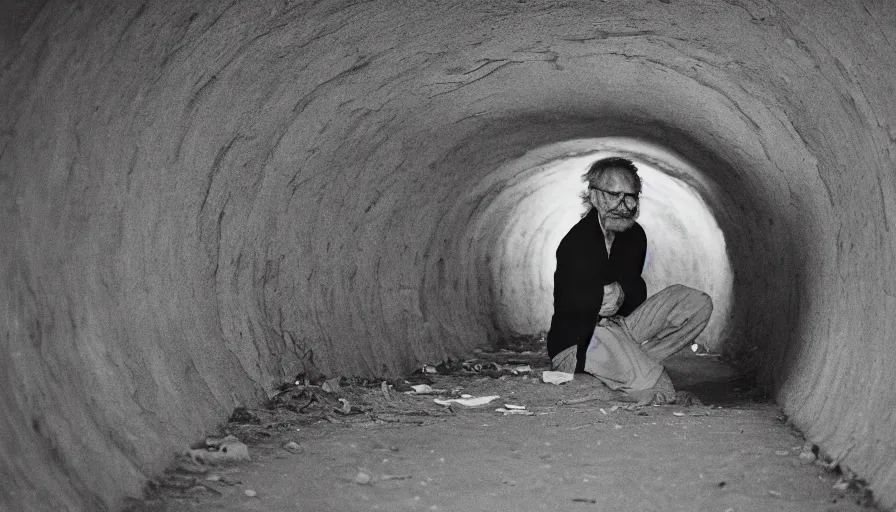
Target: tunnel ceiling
198,197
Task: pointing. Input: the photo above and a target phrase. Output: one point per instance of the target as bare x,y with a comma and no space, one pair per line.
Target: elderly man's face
615,195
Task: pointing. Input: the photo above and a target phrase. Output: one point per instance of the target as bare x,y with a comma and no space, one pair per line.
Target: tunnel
201,199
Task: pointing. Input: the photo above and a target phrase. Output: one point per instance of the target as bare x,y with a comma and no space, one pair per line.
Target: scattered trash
841,486
346,407
677,413
227,449
519,412
213,478
331,385
558,378
429,369
602,411
250,493
293,447
782,452
776,494
614,408
511,406
363,478
424,389
585,500
469,402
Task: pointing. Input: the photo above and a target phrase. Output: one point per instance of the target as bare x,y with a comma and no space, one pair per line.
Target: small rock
363,478
782,452
841,486
331,385
292,447
213,478
250,493
677,413
807,457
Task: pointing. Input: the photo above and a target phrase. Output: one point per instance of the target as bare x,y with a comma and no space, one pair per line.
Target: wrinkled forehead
618,180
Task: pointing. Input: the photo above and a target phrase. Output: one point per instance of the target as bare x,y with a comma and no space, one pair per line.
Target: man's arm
630,267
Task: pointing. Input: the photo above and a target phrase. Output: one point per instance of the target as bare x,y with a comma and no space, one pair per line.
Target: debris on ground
293,447
518,412
552,377
217,451
468,402
809,453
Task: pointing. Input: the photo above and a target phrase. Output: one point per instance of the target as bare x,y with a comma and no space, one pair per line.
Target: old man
604,324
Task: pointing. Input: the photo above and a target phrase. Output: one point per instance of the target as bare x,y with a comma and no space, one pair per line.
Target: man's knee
697,301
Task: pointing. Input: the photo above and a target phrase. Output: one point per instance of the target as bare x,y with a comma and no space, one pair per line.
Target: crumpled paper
469,402
556,377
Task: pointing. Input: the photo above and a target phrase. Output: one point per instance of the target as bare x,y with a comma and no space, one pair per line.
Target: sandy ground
735,452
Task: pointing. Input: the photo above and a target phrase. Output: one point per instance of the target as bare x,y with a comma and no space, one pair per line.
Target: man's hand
613,298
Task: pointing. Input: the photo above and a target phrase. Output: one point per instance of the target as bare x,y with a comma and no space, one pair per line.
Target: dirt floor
383,449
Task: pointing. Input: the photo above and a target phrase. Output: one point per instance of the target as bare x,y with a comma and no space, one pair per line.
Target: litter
227,449
250,493
677,413
514,412
363,478
469,402
511,406
331,385
424,389
556,377
293,447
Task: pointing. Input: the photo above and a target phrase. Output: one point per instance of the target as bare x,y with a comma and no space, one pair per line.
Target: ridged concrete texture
193,195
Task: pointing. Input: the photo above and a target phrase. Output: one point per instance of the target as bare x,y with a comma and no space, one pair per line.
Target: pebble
250,493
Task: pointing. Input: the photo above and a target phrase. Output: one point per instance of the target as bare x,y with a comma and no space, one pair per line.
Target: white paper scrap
469,402
556,377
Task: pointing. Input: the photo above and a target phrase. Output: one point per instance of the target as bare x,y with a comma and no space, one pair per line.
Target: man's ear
592,197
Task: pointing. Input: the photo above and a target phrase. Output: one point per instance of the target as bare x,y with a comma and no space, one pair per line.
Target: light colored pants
625,352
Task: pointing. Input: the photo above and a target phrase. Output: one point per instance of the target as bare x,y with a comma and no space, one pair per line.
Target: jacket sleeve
630,279
578,285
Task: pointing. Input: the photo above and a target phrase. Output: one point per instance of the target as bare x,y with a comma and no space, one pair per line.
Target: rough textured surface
194,194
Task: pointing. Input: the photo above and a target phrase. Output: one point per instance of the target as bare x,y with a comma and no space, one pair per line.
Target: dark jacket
583,269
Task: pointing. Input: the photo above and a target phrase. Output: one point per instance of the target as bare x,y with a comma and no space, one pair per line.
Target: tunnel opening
519,230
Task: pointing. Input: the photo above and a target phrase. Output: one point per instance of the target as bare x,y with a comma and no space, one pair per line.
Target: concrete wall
192,195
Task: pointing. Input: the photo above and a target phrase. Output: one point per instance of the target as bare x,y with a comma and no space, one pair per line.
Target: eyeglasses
630,199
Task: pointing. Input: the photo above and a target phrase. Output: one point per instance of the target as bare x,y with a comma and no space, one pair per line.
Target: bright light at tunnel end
685,244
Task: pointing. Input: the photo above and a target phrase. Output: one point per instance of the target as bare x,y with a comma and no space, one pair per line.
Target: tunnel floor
582,448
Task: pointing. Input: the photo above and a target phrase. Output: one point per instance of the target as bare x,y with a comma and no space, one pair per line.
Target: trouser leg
669,320
625,353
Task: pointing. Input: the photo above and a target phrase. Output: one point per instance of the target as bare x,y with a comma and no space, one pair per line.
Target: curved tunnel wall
194,195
